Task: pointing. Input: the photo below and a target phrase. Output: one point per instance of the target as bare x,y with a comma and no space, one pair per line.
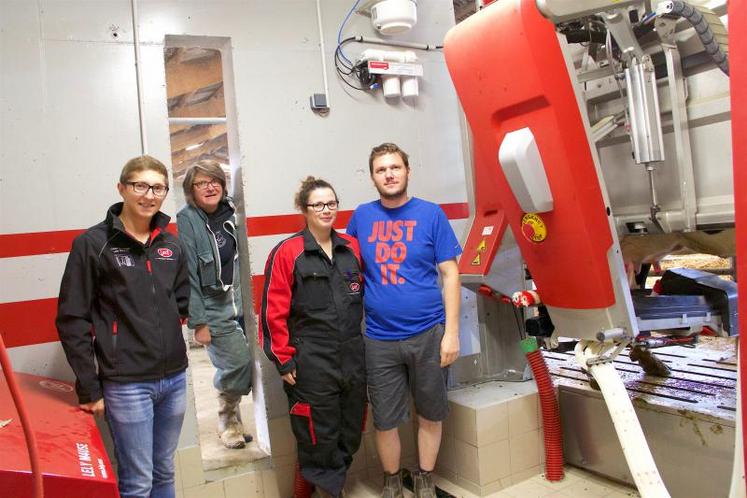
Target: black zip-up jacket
308,295
121,304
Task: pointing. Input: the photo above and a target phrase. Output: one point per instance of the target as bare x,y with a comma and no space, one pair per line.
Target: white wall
69,120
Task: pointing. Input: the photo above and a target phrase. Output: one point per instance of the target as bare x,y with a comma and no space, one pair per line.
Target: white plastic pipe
321,49
392,43
138,78
633,441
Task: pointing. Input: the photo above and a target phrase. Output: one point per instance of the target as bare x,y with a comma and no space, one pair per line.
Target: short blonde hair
143,163
207,167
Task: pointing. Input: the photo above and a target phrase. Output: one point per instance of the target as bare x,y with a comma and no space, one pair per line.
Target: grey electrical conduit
705,33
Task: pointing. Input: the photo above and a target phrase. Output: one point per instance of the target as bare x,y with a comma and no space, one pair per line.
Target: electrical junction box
73,459
318,102
395,68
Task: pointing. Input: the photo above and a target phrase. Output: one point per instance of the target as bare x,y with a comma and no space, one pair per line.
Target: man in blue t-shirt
412,333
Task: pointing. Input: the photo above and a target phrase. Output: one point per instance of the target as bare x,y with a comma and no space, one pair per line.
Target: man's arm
452,298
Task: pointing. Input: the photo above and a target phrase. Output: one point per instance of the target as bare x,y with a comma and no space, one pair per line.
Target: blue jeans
145,419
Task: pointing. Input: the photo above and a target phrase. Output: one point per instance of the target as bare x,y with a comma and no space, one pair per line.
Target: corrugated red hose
301,487
550,411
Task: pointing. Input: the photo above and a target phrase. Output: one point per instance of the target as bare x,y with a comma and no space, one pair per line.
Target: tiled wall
493,437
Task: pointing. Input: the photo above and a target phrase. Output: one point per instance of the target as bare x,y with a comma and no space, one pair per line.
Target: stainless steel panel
692,452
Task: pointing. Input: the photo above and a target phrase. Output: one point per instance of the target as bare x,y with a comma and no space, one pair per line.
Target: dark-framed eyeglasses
319,206
204,184
141,188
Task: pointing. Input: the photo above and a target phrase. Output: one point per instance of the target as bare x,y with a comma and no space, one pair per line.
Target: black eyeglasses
319,206
141,188
204,184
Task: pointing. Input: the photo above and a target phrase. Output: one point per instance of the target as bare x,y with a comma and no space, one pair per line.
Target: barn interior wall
69,122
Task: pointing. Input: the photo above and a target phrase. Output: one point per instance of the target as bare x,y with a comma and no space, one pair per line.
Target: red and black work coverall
311,323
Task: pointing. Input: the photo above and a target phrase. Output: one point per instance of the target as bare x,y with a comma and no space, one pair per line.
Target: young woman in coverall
310,327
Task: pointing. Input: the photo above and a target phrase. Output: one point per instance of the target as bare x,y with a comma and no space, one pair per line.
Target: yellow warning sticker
476,261
533,227
482,246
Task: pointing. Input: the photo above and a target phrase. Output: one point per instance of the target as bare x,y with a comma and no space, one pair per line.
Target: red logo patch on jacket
165,252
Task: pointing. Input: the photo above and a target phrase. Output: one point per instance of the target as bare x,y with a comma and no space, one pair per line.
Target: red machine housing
73,459
510,73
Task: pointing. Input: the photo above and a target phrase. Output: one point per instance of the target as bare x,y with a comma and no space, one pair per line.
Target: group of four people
131,283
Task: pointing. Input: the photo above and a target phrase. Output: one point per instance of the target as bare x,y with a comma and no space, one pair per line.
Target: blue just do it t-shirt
401,249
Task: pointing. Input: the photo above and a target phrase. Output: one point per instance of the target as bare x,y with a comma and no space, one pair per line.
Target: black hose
698,22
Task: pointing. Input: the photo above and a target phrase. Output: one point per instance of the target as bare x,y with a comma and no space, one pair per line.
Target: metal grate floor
703,378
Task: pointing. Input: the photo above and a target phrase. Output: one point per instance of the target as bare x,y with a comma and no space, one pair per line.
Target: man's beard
393,195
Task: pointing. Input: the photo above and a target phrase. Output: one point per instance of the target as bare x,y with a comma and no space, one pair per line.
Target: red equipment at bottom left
73,460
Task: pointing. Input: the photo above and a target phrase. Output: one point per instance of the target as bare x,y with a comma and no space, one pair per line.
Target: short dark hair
387,148
307,186
207,167
143,163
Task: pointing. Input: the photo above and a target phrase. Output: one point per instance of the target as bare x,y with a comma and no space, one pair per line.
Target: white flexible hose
628,428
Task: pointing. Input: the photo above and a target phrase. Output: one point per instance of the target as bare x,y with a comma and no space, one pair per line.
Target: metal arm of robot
643,111
559,11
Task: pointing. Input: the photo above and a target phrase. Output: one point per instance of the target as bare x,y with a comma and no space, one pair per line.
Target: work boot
392,486
423,485
230,429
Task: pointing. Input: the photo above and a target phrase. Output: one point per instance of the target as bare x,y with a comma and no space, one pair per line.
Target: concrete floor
214,455
576,484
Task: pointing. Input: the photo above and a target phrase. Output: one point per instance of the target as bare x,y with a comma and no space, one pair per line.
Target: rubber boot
392,486
423,485
230,429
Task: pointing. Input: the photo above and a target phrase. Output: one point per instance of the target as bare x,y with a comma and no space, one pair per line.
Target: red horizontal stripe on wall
456,210
32,322
28,322
290,223
14,245
258,285
286,223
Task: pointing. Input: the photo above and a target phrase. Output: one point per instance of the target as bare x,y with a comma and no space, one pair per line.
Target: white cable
138,80
321,49
629,433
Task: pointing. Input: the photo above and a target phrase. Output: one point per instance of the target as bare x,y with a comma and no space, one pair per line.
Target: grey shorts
414,365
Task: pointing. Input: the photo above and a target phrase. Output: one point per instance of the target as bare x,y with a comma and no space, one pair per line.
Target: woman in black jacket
310,327
123,295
